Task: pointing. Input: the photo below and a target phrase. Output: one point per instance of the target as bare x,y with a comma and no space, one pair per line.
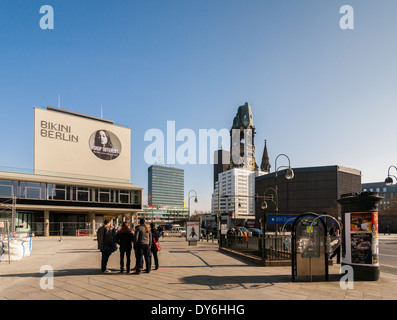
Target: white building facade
234,194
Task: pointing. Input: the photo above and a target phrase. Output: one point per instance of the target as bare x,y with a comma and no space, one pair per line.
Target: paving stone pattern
186,273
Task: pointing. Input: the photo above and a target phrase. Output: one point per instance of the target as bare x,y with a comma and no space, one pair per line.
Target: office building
312,189
164,215
221,162
387,206
234,195
165,186
389,193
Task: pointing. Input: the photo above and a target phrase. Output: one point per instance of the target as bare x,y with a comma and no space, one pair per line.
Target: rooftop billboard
75,144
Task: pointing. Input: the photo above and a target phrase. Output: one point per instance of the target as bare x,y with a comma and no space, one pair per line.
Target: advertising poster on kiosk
375,232
192,231
361,248
364,237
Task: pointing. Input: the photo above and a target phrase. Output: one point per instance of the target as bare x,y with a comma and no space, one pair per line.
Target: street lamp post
234,213
273,198
289,174
195,200
389,179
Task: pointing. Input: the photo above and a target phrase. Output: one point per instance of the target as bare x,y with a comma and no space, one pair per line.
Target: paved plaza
186,273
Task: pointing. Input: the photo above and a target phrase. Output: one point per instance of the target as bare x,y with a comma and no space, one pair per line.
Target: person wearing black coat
155,237
105,237
125,239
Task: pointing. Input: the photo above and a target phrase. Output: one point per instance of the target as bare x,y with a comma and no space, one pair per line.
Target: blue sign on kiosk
280,218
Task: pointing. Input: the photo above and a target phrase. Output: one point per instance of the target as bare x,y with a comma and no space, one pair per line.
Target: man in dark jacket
105,237
143,241
125,238
155,238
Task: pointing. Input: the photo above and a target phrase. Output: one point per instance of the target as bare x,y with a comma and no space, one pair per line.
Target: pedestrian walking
143,241
154,253
125,238
105,244
337,249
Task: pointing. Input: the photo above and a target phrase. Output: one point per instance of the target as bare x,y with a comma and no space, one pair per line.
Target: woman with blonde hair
143,241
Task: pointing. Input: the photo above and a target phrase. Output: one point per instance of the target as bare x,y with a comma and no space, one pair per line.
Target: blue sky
319,94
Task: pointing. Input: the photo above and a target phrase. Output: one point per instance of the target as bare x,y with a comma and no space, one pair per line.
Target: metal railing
268,248
209,237
277,248
57,228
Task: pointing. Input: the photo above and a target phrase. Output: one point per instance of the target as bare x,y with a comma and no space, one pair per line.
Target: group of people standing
141,240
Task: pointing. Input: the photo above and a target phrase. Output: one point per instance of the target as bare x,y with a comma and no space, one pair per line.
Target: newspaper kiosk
360,246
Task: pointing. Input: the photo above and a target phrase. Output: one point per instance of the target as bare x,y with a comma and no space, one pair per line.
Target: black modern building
221,163
313,189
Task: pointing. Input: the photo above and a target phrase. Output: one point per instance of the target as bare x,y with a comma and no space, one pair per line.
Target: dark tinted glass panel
33,193
59,194
124,198
104,197
82,196
5,191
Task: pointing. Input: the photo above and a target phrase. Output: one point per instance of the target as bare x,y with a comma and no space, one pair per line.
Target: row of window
376,189
48,191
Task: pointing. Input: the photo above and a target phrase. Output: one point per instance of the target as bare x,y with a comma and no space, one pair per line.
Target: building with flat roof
387,206
166,186
81,176
312,189
234,195
389,193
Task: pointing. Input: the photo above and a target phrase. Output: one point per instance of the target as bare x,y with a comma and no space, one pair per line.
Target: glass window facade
165,186
164,215
388,192
49,191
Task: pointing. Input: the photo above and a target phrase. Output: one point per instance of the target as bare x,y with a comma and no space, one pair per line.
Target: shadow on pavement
58,273
78,251
250,282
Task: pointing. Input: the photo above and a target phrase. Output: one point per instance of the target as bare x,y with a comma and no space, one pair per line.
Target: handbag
156,246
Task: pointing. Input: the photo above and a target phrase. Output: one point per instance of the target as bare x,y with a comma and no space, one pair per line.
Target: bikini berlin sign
72,143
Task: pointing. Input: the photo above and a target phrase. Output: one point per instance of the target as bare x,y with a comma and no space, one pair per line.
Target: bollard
360,246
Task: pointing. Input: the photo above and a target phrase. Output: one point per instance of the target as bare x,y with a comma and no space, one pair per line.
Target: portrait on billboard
105,145
193,231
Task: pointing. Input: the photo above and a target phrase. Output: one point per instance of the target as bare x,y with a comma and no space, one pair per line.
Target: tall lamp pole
389,179
289,174
195,199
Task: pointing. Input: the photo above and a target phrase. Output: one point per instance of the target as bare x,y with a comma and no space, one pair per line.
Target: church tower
265,165
242,136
